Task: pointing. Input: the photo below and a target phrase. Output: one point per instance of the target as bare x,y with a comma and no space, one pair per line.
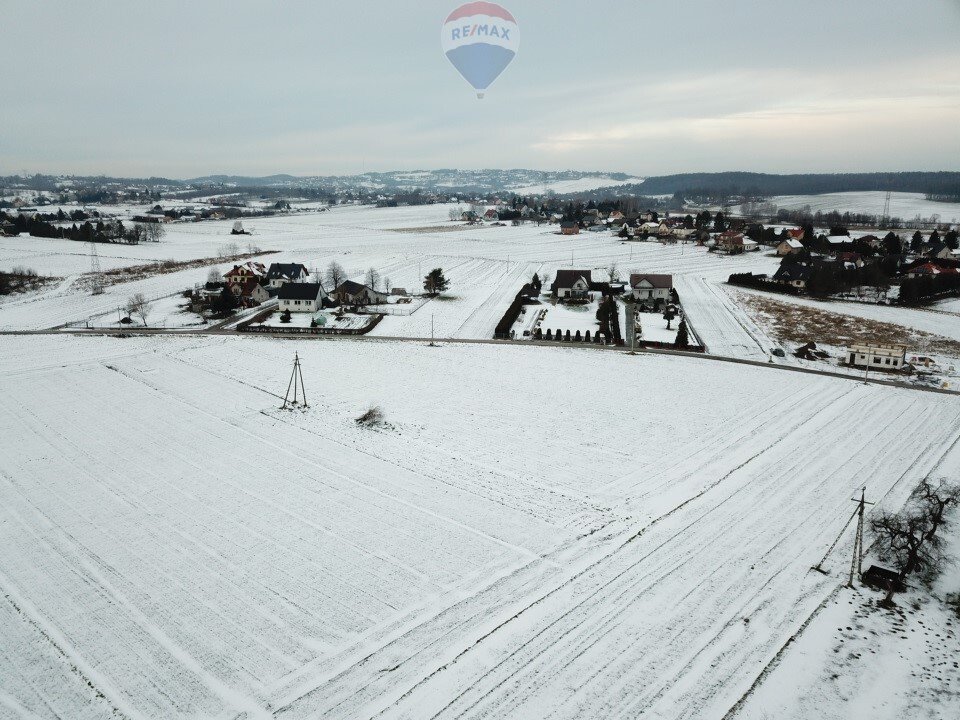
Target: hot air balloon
480,39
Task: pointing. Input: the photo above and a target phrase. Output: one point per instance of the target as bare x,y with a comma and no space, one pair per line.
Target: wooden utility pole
295,378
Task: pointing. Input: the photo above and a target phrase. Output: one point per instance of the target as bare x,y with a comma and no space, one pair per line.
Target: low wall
247,326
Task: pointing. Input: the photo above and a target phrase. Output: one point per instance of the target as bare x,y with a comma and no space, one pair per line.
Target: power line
295,377
95,270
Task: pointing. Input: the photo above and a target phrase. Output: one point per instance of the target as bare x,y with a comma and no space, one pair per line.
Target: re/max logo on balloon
467,32
480,39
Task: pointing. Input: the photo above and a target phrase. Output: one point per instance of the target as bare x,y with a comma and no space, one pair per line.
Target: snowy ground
572,186
175,546
859,661
906,206
485,265
654,328
348,321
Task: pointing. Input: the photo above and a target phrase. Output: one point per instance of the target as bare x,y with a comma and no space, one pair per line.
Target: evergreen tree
226,302
951,240
916,242
719,223
669,315
892,244
435,283
683,336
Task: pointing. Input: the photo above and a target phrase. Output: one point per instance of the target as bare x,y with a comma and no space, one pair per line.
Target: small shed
881,578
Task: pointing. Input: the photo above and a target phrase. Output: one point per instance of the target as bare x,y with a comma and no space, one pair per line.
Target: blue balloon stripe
480,63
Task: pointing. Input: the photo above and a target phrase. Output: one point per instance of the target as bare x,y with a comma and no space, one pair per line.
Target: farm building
877,357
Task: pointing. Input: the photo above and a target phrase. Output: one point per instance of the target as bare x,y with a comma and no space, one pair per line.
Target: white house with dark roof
301,297
573,284
651,287
280,273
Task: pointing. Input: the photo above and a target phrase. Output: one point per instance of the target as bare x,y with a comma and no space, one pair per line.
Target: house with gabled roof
280,273
651,288
242,273
250,291
789,246
794,274
301,297
573,284
353,293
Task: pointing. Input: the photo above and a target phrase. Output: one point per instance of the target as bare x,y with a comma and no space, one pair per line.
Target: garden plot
330,320
181,546
564,317
654,328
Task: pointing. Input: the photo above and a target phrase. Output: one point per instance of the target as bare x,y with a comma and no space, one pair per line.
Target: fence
600,339
247,326
90,322
401,309
502,331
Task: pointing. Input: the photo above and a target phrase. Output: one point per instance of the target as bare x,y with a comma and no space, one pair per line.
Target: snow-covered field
176,546
860,661
486,265
906,206
561,187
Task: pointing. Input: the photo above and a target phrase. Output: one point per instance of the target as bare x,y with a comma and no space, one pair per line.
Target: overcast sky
182,89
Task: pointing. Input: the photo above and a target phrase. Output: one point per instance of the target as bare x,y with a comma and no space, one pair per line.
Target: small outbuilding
877,357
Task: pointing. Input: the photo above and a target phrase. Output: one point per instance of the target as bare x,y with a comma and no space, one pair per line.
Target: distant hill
564,183
747,183
446,180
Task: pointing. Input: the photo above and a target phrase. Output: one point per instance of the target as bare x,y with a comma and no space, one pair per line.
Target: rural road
219,331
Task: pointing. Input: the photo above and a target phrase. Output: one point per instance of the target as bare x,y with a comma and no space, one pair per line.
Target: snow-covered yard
497,550
561,317
654,328
347,321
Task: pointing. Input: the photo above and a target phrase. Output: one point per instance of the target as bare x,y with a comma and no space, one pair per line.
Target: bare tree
228,250
909,538
153,232
455,213
373,278
387,285
136,234
214,276
138,305
335,274
613,273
